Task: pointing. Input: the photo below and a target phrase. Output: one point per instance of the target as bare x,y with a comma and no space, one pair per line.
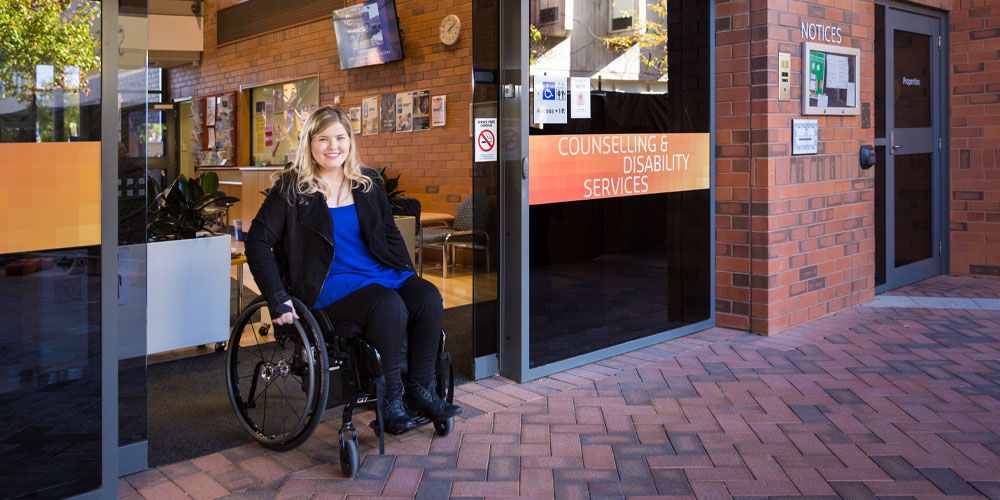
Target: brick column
975,138
795,234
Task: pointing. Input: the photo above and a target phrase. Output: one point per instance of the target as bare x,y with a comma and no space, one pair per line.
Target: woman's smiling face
331,146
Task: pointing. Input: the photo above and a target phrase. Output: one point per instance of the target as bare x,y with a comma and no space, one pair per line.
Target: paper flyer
422,110
836,72
355,114
404,112
438,110
209,111
580,96
369,115
388,114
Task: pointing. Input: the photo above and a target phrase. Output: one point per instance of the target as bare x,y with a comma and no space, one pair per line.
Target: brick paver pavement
869,402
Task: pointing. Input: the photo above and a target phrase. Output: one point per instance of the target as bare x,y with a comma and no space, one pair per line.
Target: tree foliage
58,33
534,45
649,34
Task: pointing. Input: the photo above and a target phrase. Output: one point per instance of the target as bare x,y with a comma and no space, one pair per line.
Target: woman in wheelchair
325,234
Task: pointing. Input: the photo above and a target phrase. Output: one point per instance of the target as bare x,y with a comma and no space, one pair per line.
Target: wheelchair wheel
350,458
277,387
444,427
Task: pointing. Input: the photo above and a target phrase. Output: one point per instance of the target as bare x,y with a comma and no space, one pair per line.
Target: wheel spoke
253,329
289,403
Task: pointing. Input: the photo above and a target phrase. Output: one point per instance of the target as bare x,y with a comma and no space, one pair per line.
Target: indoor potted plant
188,276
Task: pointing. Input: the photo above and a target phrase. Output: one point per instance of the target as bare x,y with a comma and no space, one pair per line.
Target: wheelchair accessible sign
550,99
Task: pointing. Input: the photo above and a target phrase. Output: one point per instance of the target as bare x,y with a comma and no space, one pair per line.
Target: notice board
831,79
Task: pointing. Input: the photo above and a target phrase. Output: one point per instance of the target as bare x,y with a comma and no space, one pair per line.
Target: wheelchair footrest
419,420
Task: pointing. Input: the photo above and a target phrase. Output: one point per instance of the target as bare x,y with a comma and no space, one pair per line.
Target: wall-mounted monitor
367,34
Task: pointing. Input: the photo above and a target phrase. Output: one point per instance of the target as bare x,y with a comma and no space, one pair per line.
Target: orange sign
585,167
50,195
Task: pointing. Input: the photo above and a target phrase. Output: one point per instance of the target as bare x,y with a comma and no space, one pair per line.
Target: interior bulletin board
831,77
213,130
279,111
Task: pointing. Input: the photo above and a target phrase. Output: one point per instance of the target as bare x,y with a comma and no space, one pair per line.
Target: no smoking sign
486,139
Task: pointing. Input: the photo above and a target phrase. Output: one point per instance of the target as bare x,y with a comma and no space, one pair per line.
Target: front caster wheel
444,427
349,457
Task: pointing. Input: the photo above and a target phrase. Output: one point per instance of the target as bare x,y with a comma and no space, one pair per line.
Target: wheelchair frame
357,361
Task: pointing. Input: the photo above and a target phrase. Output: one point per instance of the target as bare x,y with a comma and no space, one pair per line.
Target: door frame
109,253
514,214
939,156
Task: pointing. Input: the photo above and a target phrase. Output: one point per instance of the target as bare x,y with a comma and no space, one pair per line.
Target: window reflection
606,271
50,384
50,392
913,221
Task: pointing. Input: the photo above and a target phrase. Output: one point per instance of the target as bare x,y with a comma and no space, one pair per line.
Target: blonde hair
304,170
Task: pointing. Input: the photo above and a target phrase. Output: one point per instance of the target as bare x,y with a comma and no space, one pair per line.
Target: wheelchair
279,389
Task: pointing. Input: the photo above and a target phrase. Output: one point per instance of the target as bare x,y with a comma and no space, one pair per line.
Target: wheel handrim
272,384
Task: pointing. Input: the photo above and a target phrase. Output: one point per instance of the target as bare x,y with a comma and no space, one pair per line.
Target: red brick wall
732,163
795,234
975,137
435,164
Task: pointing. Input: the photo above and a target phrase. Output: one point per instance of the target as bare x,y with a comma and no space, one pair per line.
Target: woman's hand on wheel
288,317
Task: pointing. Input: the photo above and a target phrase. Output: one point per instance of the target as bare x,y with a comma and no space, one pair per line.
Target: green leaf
210,182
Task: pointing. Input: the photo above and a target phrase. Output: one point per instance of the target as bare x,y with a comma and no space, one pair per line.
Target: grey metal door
909,187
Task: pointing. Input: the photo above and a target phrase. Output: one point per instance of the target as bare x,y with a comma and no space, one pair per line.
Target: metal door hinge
940,143
940,248
939,41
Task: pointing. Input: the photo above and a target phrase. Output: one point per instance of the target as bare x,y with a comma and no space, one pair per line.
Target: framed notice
831,79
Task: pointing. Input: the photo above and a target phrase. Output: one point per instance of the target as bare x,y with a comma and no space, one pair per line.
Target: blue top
354,267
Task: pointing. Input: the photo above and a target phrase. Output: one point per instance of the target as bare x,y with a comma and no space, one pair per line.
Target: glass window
913,215
619,169
50,280
912,84
625,14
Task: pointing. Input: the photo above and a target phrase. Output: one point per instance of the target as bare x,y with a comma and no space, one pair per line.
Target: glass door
908,199
608,225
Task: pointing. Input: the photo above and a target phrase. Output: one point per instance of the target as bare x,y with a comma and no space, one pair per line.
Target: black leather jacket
290,244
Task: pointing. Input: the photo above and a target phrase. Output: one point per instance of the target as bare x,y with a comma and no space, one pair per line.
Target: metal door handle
896,147
892,141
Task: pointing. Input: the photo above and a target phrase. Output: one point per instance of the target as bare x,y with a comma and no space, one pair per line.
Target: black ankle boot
395,418
428,403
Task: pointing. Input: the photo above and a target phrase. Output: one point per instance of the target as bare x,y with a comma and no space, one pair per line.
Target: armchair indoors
464,233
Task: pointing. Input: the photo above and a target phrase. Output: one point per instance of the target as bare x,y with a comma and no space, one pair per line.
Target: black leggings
415,310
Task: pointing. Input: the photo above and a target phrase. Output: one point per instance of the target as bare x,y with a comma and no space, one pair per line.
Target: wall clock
449,29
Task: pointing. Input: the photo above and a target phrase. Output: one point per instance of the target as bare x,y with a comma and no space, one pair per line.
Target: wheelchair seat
280,388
